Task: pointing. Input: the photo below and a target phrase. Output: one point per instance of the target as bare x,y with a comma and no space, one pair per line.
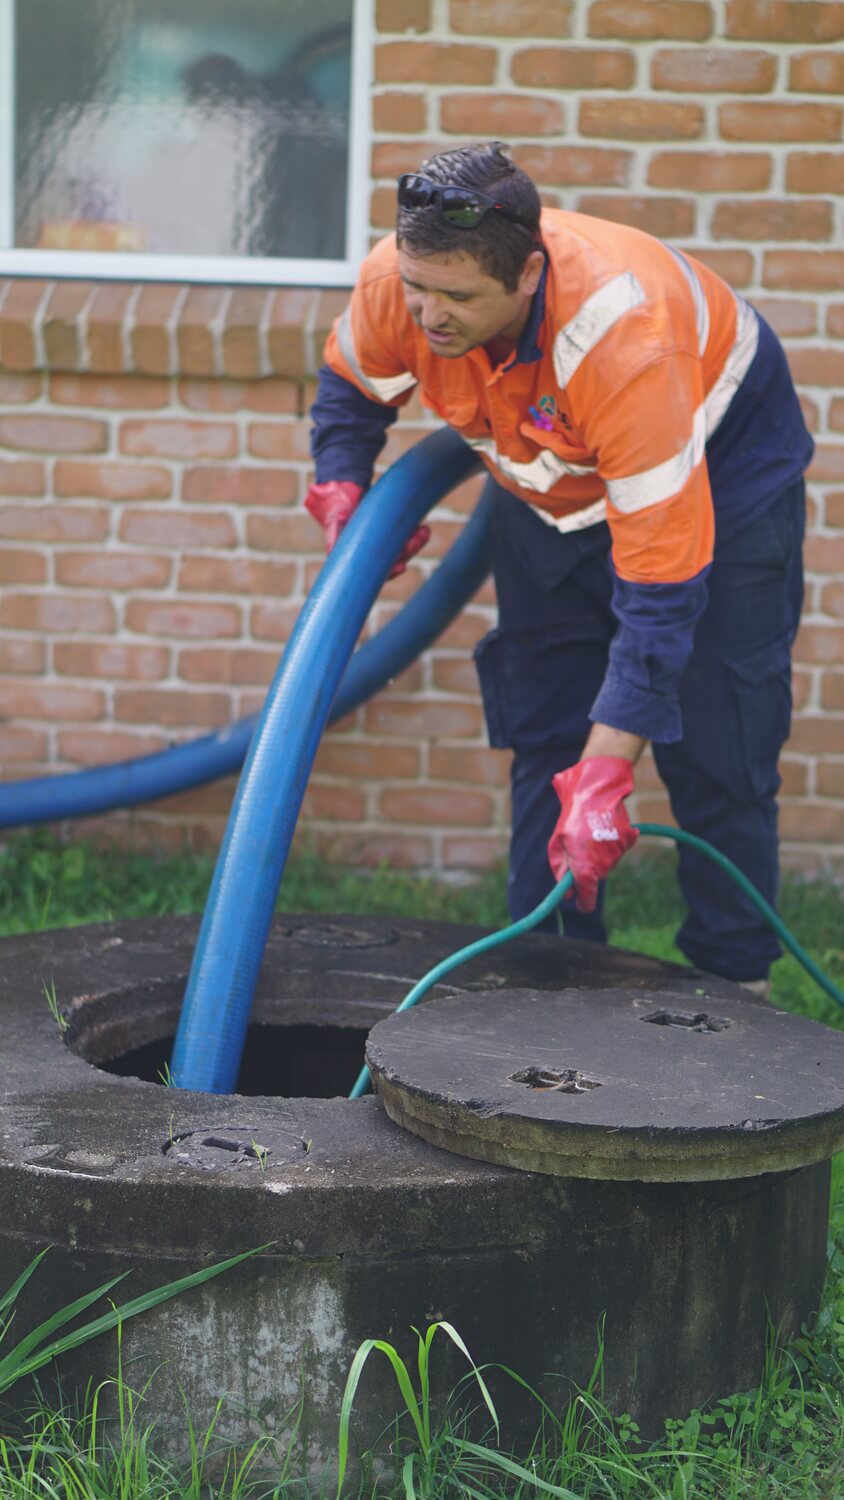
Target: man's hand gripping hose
552,900
333,504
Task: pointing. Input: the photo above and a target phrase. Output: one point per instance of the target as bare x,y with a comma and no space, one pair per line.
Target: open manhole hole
688,1020
291,1062
566,1081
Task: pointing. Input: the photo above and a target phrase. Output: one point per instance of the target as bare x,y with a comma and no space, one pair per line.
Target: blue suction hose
224,973
363,1082
78,794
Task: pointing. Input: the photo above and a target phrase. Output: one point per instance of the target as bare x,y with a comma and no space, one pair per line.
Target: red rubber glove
335,502
593,830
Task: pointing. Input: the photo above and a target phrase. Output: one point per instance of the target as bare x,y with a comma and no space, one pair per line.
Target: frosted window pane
196,127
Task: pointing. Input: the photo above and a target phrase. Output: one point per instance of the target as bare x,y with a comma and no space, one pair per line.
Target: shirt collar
527,349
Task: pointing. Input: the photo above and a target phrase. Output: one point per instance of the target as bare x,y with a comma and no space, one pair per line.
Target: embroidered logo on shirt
545,413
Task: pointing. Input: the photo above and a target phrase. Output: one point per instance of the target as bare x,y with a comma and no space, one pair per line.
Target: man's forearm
603,740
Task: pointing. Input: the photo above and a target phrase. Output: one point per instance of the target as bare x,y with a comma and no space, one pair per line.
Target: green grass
782,1441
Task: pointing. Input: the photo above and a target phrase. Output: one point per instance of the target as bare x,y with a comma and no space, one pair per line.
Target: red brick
370,850
714,70
817,366
815,172
171,708
836,415
286,534
735,266
240,486
759,121
795,778
234,666
511,17
403,15
804,270
24,657
112,570
183,619
103,747
106,324
19,567
195,337
170,437
177,528
116,393
330,304
574,68
474,853
289,316
811,823
834,327
651,20
817,72
667,218
431,719
834,508
819,644
500,115
789,317
367,760
382,212
112,661
434,62
241,332
19,310
53,523
825,554
391,158
785,20
586,166
24,745
54,702
150,338
61,323
273,622
640,119
771,219
832,603
340,804
52,434
455,674
17,390
285,442
810,410
830,779
827,466
435,806
400,112
832,692
111,481
57,614
241,575
20,477
711,171
477,767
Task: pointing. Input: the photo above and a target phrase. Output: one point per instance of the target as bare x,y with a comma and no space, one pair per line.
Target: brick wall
153,442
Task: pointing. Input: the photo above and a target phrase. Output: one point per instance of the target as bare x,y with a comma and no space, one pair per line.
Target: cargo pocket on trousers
761,688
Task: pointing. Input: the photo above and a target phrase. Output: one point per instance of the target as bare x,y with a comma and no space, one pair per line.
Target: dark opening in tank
313,1062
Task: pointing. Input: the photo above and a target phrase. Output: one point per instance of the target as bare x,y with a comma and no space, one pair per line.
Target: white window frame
225,269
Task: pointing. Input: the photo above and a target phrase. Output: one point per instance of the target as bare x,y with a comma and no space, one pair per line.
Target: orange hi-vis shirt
639,354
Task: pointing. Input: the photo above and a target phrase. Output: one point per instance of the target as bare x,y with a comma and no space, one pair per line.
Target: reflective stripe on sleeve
594,318
652,486
698,297
578,520
736,366
383,388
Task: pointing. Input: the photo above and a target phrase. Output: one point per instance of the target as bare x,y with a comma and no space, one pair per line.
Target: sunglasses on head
463,207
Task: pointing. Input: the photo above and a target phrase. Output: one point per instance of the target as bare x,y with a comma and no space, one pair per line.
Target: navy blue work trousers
540,672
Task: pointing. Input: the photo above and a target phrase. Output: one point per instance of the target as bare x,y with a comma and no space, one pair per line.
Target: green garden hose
544,909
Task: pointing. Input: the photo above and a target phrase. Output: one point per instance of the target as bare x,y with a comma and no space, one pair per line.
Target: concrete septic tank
374,1229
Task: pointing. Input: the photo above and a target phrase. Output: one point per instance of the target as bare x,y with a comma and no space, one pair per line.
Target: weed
49,993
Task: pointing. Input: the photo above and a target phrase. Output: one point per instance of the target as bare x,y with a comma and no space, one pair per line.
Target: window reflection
174,128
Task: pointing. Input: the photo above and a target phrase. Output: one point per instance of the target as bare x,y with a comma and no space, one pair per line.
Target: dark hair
500,246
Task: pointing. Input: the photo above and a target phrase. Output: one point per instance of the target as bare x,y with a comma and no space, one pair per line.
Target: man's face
459,306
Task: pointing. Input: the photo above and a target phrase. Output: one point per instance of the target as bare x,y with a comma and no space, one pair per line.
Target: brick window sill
131,328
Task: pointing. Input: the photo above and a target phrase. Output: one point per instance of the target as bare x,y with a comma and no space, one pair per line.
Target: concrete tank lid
615,1084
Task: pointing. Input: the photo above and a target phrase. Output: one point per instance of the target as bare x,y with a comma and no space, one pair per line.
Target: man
647,451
